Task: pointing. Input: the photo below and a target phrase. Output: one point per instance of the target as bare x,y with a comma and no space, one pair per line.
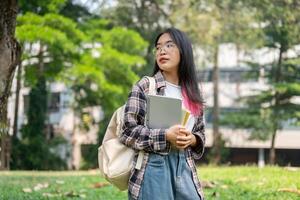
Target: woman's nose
162,51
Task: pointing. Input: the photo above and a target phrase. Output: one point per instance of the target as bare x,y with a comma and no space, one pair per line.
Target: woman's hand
172,133
180,137
185,139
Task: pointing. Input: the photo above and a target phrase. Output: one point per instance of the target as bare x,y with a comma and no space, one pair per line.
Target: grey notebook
163,112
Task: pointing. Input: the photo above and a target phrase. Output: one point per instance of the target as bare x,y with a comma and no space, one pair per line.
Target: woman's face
167,54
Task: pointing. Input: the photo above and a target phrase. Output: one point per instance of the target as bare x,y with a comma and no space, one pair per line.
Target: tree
119,50
75,11
56,40
282,32
64,7
41,7
103,76
147,17
95,80
268,110
10,53
210,24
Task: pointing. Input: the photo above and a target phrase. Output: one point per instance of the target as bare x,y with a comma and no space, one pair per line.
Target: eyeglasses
168,47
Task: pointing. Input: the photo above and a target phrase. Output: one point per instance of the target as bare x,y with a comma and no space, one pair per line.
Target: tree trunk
272,155
18,87
216,111
10,52
238,51
73,143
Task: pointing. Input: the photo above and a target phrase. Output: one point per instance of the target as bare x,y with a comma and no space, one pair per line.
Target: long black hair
186,69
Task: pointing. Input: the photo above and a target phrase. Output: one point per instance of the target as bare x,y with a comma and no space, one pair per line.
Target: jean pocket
156,160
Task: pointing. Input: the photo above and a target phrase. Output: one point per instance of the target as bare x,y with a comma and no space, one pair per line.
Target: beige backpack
115,159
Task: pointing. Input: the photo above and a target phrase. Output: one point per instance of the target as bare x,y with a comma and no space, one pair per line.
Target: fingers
183,141
177,128
182,146
179,136
183,138
184,131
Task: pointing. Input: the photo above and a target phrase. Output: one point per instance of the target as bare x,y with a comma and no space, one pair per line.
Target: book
163,112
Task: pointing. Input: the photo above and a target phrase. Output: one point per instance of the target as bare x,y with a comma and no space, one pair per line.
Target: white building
232,85
61,119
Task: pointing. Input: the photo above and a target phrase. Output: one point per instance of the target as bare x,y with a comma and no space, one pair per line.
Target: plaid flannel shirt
138,137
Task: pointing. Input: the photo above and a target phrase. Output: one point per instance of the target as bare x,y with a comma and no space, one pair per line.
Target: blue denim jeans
168,178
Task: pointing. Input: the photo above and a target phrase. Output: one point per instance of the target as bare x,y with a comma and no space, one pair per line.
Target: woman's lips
163,60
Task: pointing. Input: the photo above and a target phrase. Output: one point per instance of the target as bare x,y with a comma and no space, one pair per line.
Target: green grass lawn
222,183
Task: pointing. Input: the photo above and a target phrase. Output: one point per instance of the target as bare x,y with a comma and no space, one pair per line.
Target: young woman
168,170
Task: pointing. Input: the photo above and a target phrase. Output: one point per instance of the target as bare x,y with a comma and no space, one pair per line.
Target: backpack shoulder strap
152,89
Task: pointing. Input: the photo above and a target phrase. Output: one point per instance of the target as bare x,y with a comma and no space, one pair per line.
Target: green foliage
40,6
148,18
43,159
96,61
281,22
89,153
75,11
261,112
94,27
125,41
254,119
105,72
58,39
63,28
225,152
271,109
37,110
32,151
211,23
51,43
117,66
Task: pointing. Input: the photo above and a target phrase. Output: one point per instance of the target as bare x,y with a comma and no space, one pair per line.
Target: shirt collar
160,80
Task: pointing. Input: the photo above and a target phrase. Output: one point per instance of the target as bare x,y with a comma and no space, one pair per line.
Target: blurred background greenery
96,50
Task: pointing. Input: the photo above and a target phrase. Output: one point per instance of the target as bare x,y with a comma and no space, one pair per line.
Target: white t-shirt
174,91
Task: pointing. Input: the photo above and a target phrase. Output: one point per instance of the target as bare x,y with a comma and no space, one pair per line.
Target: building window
205,76
229,75
223,112
54,102
49,131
